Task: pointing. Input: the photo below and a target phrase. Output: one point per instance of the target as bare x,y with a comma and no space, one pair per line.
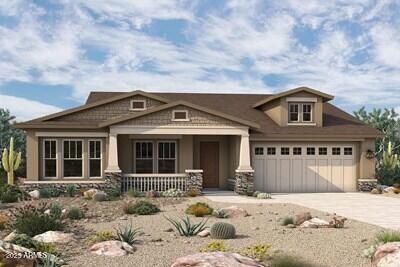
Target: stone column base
194,180
366,185
244,182
114,179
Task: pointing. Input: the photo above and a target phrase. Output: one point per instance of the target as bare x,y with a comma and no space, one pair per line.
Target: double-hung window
306,111
95,158
166,157
294,112
50,158
73,160
144,157
300,112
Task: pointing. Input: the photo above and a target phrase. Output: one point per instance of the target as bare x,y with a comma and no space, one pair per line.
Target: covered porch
160,158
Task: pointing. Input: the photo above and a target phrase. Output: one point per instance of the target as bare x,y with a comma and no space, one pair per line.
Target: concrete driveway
373,209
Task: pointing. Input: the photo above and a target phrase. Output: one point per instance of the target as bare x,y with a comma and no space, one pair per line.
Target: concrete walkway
373,209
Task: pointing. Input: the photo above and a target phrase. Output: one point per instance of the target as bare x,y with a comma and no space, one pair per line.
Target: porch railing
156,182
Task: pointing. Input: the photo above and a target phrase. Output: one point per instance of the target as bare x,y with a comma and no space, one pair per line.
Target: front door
209,163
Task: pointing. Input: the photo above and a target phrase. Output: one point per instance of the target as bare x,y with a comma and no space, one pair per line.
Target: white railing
157,182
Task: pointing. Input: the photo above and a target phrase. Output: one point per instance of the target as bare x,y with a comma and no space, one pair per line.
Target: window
73,158
271,151
306,112
310,150
323,151
180,115
335,150
348,151
259,151
95,158
138,104
144,157
166,157
297,151
285,151
293,112
50,158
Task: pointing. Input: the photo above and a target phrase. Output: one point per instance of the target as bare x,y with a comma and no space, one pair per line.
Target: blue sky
53,53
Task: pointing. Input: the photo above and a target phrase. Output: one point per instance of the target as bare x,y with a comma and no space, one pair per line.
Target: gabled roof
324,96
101,102
174,104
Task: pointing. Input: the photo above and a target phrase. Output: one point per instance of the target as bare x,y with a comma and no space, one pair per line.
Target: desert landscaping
95,228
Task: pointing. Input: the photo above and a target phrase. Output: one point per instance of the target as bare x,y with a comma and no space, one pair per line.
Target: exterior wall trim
71,134
301,99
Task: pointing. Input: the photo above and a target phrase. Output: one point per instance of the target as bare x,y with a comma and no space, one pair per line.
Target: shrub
387,236
287,220
100,196
11,193
56,209
193,193
142,207
186,227
4,220
220,213
127,234
133,193
258,252
173,192
289,261
192,208
222,230
37,246
113,193
255,194
100,237
75,213
264,196
31,220
44,192
70,190
214,247
200,211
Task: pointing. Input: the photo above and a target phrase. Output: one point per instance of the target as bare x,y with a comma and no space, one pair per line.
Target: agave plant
186,228
127,234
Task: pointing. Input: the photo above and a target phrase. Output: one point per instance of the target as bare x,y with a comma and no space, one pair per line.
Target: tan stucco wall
367,166
274,110
32,156
185,153
234,152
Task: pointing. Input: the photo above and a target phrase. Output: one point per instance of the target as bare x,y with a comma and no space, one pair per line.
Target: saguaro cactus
389,159
11,161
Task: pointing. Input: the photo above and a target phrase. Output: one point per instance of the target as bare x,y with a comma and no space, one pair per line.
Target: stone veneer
244,182
366,185
62,186
194,180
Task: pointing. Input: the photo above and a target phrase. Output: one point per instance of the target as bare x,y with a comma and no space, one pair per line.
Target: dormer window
138,105
300,112
180,115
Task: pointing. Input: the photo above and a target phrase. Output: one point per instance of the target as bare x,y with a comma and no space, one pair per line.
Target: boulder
10,237
235,212
389,189
387,255
302,217
35,194
204,233
112,248
55,237
7,249
375,191
210,259
90,193
315,223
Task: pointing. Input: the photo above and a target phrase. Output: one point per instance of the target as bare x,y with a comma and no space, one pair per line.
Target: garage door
281,168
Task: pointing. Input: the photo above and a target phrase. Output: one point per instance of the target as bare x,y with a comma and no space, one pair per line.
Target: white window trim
138,101
44,159
182,110
298,113
82,159
311,113
176,153
300,119
134,155
101,158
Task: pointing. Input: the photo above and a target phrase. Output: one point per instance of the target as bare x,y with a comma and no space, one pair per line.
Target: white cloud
387,44
26,109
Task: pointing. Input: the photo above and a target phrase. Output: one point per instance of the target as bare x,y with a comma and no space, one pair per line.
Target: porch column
113,154
244,174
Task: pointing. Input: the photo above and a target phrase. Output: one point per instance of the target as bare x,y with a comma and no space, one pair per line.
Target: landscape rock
375,191
215,259
204,233
315,223
10,249
99,196
10,237
389,189
90,193
55,237
235,212
337,222
302,217
387,255
151,194
112,248
35,194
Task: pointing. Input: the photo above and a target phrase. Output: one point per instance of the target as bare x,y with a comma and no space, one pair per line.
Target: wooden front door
209,163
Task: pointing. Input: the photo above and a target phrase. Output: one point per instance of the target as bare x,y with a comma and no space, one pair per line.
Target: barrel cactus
11,161
221,230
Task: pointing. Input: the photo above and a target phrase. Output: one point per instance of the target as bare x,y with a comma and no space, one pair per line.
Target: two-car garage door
282,168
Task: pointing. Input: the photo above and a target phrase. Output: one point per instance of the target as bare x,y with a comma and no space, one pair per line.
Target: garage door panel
349,175
271,183
259,171
284,177
323,178
310,175
337,175
296,179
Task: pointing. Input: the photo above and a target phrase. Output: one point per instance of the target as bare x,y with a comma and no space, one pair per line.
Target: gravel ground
322,247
